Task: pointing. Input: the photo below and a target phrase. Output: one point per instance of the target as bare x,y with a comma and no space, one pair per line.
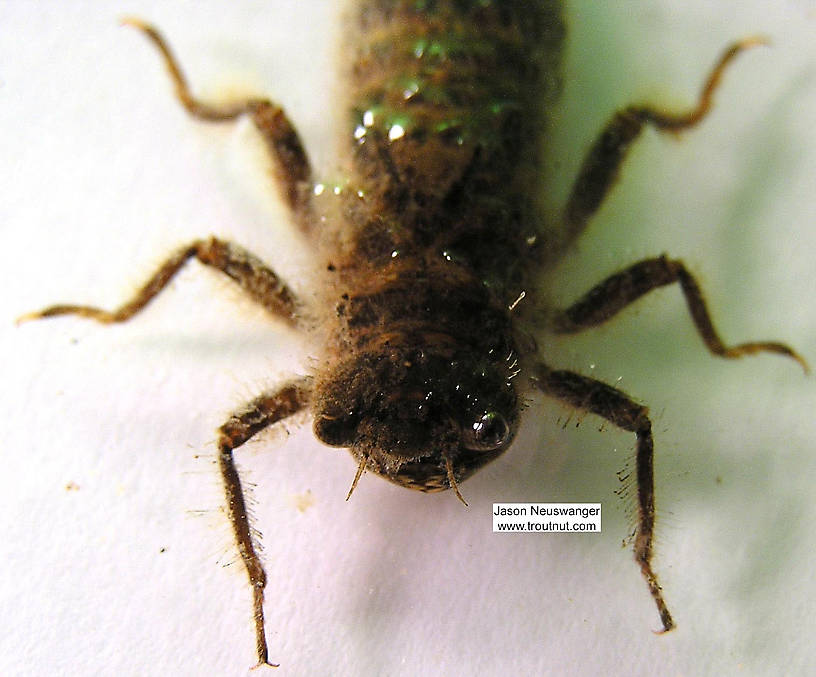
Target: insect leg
261,283
604,160
619,290
270,120
617,408
258,414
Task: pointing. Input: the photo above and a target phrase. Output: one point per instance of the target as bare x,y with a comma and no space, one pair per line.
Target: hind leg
294,172
603,163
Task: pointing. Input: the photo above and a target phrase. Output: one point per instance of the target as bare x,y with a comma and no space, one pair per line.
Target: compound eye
336,431
488,432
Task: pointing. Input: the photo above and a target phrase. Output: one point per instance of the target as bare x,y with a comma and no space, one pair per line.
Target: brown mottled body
447,104
430,252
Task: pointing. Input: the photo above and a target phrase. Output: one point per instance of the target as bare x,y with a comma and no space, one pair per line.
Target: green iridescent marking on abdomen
459,85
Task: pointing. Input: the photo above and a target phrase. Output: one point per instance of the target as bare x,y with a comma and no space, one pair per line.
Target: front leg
260,282
618,408
260,413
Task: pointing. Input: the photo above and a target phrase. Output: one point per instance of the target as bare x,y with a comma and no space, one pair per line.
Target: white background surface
103,174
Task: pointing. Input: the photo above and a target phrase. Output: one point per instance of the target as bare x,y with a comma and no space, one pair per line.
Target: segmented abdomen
436,80
447,100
